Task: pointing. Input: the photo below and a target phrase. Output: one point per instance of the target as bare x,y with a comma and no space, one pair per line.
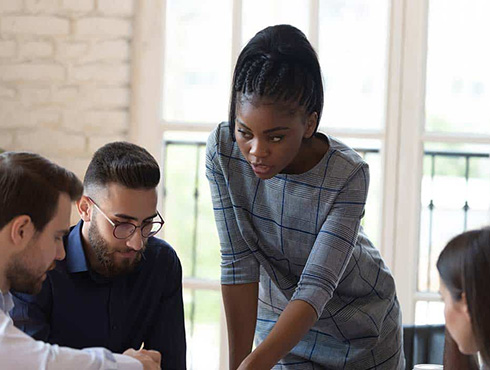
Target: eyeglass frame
114,225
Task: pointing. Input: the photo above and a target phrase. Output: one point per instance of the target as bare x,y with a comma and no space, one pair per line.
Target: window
455,191
406,84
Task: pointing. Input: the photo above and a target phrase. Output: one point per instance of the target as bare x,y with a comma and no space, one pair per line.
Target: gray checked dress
300,237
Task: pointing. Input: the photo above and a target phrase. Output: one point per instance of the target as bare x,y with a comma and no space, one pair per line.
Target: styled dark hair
122,163
464,267
280,64
31,185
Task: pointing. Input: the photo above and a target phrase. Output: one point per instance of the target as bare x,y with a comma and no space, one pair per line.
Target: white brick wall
32,72
110,74
7,6
41,6
116,7
78,5
64,76
97,27
7,49
6,92
36,49
34,25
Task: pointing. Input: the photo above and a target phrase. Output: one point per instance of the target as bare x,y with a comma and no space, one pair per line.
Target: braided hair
279,64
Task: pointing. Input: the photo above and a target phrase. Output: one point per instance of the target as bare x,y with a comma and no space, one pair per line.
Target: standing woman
464,267
288,203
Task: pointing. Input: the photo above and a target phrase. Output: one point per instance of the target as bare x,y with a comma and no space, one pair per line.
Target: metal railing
468,157
432,154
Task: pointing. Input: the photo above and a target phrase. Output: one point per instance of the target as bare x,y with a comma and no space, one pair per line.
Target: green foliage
190,228
453,166
439,124
206,306
190,220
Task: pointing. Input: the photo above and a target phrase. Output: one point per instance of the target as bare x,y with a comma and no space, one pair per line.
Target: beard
23,279
106,258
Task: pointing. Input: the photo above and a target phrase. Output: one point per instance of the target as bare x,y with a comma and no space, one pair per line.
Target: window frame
403,136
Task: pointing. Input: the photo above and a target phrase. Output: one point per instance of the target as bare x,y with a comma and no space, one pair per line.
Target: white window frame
404,170
403,136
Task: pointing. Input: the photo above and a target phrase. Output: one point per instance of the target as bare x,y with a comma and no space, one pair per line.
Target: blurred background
406,82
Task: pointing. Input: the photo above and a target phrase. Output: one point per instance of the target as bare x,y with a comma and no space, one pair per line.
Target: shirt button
114,327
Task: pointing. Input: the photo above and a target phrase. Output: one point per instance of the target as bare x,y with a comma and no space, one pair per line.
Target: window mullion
390,152
410,160
236,24
314,24
456,137
146,86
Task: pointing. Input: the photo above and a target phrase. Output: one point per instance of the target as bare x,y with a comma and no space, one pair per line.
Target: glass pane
258,14
202,324
197,67
370,151
189,226
455,197
458,77
429,313
353,53
208,247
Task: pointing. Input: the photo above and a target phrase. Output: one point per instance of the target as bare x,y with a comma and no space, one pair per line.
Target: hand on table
150,359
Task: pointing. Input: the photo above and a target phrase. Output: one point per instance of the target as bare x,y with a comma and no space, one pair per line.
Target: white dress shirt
18,351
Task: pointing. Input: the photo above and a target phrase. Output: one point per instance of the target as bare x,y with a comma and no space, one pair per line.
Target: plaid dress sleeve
333,247
238,264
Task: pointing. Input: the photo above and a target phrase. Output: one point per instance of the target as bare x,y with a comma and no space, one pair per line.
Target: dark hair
31,185
464,266
278,63
122,163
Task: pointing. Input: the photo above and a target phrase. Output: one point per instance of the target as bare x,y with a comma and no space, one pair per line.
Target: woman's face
458,321
270,136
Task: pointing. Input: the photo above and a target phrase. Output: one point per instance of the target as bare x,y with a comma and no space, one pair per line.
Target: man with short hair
35,206
119,285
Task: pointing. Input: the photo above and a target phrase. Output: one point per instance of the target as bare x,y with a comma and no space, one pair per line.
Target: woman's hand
294,322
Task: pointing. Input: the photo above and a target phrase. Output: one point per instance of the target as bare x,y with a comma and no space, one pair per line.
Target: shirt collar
75,255
6,302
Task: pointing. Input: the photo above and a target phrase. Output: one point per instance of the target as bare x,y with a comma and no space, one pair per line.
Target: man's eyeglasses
123,230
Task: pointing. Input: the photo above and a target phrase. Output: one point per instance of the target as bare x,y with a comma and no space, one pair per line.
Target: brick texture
7,49
41,6
64,76
35,25
103,27
116,7
10,6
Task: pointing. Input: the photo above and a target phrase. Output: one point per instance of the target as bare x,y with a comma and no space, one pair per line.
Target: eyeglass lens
125,230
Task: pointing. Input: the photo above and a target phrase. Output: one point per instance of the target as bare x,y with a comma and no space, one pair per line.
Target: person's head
120,193
276,98
464,268
35,206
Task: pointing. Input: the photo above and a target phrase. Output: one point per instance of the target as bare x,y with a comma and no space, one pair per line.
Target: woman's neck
310,154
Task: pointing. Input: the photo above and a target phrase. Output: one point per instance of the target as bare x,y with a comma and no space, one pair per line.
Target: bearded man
119,286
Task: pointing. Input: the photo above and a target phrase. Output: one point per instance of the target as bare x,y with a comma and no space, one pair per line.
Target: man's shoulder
159,245
160,251
161,264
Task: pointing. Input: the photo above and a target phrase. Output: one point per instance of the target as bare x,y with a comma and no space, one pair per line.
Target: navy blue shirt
79,308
